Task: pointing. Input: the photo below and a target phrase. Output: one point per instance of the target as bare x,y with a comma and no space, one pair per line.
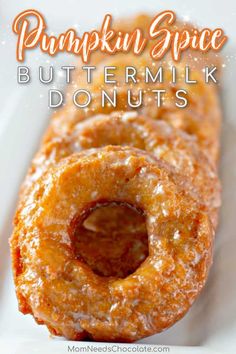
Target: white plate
211,323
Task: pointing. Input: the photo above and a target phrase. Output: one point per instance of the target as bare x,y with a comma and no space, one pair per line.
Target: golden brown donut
61,291
156,137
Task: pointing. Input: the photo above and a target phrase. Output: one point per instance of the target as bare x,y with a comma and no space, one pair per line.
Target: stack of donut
117,215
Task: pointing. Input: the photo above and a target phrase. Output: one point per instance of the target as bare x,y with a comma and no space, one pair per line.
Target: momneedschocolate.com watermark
117,348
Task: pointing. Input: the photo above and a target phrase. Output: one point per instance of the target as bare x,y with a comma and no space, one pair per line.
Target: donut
156,137
60,290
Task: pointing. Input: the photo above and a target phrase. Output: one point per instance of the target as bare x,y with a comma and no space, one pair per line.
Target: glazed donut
156,137
60,290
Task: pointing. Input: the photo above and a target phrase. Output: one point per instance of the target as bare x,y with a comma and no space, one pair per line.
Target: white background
211,323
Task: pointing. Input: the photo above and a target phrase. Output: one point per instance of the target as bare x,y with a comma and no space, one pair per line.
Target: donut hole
112,240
